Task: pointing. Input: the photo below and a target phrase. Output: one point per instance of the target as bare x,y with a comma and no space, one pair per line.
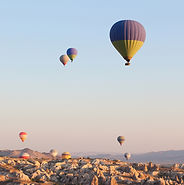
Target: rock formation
81,171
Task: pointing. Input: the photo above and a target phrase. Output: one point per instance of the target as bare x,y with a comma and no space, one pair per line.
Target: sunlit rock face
87,171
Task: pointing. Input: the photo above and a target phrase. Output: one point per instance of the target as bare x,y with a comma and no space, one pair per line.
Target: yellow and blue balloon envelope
72,53
127,36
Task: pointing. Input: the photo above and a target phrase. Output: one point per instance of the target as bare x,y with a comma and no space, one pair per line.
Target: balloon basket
127,64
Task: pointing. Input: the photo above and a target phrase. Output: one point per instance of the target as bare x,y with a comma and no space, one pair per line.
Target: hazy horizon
86,105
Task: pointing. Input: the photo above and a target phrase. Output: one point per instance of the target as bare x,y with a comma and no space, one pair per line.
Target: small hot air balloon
127,36
127,156
121,139
64,59
72,53
53,152
24,156
23,136
66,155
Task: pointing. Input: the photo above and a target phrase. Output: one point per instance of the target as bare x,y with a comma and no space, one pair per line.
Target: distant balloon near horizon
53,152
72,53
127,156
64,59
121,139
24,156
127,36
23,136
66,155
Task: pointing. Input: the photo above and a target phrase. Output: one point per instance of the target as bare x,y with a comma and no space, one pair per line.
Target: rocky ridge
83,171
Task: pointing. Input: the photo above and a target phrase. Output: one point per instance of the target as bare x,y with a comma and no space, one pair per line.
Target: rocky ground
87,172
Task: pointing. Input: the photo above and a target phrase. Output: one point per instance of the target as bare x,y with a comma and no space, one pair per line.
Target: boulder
94,180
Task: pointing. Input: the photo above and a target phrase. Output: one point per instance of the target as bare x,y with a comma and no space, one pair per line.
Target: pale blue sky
87,104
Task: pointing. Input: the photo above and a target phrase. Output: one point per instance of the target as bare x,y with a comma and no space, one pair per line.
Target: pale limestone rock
43,178
94,180
2,178
112,170
35,163
175,166
113,181
101,177
154,173
20,175
69,175
103,167
35,174
88,165
177,179
44,164
74,166
10,162
140,166
61,173
135,175
95,162
161,181
119,179
82,162
141,175
95,169
150,165
58,166
181,166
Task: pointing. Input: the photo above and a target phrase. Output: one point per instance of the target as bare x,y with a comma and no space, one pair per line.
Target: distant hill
170,156
16,153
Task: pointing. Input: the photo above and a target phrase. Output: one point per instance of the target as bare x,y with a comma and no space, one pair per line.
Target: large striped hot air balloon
72,53
23,136
127,36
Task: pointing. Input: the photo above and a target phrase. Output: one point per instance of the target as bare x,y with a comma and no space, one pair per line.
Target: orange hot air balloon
24,156
23,136
64,59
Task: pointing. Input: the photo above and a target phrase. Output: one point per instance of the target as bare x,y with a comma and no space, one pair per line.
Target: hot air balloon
24,156
66,155
121,139
127,156
72,53
127,36
23,136
64,59
53,152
